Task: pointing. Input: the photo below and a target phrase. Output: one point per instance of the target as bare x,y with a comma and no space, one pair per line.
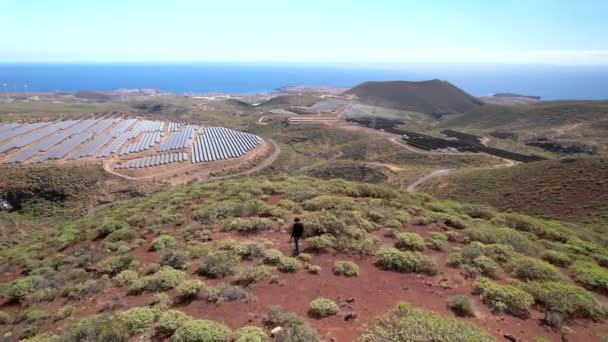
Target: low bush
21,287
528,268
346,268
253,275
189,289
249,334
323,307
201,331
95,328
556,258
63,313
137,287
160,301
478,211
304,257
218,264
4,317
392,259
601,259
32,314
225,293
313,269
486,266
461,305
520,241
409,324
169,321
272,256
569,300
454,259
289,265
503,298
116,264
163,242
165,279
590,276
249,226
80,290
320,243
136,320
295,329
327,202
125,278
175,258
437,241
409,242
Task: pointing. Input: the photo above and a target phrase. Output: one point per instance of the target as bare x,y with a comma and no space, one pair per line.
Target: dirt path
412,186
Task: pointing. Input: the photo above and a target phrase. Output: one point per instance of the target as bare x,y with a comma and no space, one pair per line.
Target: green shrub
63,313
320,243
392,259
346,268
409,324
169,321
461,305
116,264
327,202
125,278
165,279
304,257
250,334
409,242
32,314
121,235
289,265
503,298
295,329
601,259
528,268
478,211
520,241
4,317
249,226
556,258
454,259
590,276
137,287
160,301
136,320
323,307
20,288
189,289
486,266
218,264
251,250
95,328
253,275
175,258
80,290
110,226
201,331
437,241
569,300
272,256
225,293
314,269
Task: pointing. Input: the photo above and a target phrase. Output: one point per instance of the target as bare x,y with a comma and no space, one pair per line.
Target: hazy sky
370,31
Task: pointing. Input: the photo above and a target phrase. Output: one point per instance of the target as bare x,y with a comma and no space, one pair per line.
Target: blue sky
312,31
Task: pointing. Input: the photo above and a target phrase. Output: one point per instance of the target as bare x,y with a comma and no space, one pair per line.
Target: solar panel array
179,140
218,143
155,160
147,141
74,139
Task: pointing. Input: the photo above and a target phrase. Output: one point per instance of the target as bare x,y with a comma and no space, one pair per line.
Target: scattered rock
275,331
350,300
510,337
351,316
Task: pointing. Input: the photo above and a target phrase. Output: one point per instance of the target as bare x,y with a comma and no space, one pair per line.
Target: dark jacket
297,230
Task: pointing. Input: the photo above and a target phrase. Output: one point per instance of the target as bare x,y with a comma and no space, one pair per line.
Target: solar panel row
147,141
154,160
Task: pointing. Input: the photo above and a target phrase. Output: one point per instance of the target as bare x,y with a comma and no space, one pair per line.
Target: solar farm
123,143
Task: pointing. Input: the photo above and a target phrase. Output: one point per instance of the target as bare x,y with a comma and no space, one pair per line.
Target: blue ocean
550,82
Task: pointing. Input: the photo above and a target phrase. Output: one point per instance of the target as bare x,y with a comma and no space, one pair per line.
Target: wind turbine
6,91
27,94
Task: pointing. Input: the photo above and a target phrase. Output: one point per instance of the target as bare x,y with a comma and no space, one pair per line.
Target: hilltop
430,97
209,262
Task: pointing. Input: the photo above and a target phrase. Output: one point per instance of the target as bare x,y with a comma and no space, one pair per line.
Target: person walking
297,230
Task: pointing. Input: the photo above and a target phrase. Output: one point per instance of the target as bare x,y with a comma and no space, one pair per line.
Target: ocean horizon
551,82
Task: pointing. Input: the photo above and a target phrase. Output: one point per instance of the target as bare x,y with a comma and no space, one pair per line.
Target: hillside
210,262
568,189
430,97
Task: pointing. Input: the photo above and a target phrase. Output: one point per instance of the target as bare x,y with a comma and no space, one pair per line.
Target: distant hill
572,189
431,97
291,100
237,104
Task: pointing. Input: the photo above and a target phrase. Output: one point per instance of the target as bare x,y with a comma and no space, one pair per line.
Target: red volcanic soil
369,295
